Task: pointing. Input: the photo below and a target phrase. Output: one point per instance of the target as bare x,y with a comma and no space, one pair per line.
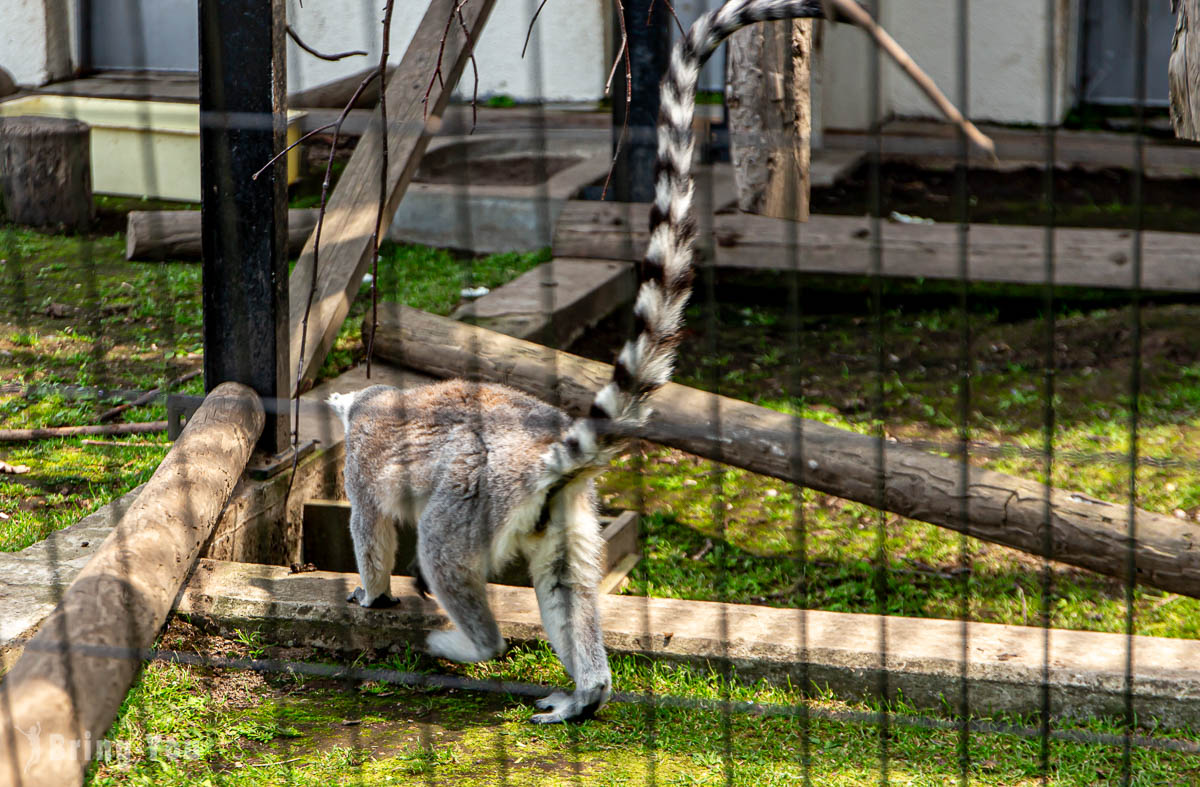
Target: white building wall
1008,78
25,46
569,56
565,60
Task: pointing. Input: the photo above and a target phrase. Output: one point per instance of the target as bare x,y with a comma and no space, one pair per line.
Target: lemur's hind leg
374,537
565,569
454,570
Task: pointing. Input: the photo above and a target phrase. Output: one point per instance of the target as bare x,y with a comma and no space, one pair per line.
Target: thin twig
628,95
148,396
383,182
470,45
315,53
283,152
859,16
127,444
529,32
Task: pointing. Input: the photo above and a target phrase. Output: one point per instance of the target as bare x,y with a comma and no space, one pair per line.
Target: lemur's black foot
381,601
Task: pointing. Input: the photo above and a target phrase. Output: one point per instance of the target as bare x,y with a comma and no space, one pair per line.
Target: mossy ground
216,725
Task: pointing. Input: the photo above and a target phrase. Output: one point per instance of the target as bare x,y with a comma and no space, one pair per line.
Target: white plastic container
141,148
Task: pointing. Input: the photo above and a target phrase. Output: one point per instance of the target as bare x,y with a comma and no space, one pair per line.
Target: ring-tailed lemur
486,472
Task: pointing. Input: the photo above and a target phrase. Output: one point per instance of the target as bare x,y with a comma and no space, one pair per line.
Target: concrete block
924,659
498,193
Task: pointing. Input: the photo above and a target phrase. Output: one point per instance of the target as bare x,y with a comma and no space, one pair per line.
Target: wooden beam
1183,71
157,235
770,116
844,245
75,672
350,215
1000,508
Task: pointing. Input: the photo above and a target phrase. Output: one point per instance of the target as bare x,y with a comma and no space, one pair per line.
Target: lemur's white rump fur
486,473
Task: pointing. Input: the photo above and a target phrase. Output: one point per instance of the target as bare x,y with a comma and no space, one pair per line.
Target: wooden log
51,432
156,235
346,238
844,245
75,672
999,508
1183,71
46,172
770,116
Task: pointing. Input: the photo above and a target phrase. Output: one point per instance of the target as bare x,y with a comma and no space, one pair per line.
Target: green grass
73,312
231,727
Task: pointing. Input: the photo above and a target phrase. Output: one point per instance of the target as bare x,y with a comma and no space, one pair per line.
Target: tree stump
46,172
1183,70
770,117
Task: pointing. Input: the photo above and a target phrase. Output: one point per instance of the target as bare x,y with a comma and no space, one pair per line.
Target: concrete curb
840,652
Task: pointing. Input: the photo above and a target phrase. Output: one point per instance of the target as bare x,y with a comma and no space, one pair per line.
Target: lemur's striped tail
646,361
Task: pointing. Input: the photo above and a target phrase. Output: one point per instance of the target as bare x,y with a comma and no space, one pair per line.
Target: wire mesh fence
918,505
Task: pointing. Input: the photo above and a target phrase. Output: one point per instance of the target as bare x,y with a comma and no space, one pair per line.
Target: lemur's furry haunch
486,472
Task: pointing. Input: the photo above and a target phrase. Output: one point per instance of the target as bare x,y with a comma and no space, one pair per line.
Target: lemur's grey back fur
485,472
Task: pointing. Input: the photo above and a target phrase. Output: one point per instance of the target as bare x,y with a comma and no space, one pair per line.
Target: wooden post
1001,508
73,676
46,172
768,97
242,125
647,23
1183,71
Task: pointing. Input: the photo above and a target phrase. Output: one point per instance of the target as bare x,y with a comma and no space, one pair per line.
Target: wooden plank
554,303
351,212
1004,509
844,245
73,676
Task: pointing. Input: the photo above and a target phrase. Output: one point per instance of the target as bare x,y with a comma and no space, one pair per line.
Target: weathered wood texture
155,235
843,244
770,117
75,671
1183,71
350,215
46,172
52,432
1000,508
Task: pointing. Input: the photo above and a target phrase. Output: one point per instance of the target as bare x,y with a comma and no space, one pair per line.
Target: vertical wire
1135,376
1048,423
796,387
717,471
964,400
875,210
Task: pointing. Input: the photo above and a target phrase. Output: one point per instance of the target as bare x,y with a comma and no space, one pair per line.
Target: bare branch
300,43
383,179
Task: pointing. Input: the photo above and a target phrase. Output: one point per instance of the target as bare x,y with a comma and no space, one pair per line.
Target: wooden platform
849,245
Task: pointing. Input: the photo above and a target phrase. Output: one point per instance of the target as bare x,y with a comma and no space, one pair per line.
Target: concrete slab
465,211
925,660
554,303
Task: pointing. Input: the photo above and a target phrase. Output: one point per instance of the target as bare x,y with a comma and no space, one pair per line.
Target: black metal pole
243,124
647,23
